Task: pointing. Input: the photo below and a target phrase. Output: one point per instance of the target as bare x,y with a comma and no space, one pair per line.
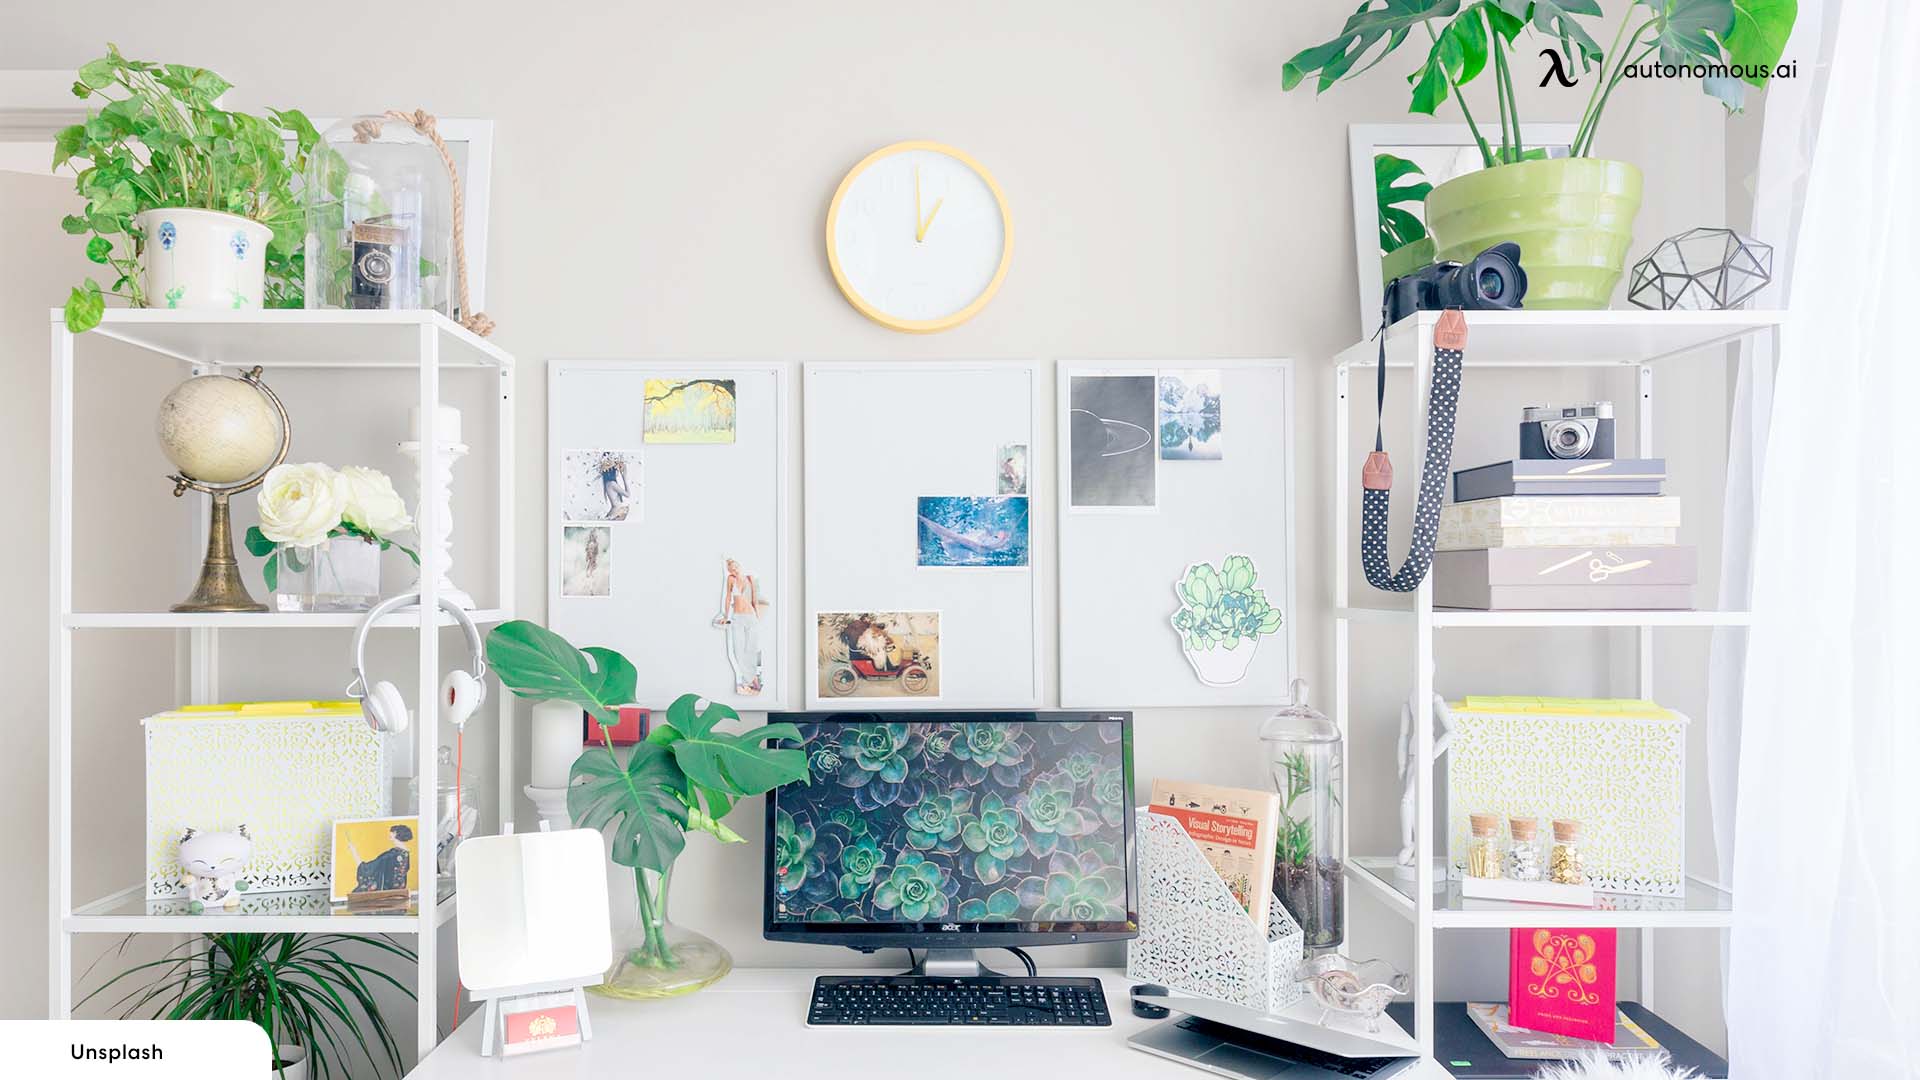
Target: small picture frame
376,861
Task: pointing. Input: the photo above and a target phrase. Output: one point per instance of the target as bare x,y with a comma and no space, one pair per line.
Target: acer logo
950,927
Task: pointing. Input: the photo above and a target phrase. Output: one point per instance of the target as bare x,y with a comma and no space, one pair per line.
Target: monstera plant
685,776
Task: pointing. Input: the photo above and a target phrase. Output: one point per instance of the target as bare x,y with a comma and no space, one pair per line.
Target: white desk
751,1025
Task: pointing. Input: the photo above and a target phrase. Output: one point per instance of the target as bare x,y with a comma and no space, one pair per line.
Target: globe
218,429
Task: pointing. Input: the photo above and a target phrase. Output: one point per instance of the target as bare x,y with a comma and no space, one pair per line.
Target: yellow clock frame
945,322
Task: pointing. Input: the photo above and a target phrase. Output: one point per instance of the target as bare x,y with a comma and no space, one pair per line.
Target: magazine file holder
1196,938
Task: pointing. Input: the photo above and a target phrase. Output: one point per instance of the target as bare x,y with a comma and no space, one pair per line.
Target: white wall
662,173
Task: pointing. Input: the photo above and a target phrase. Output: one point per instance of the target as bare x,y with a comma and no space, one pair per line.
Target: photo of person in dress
599,485
741,608
375,855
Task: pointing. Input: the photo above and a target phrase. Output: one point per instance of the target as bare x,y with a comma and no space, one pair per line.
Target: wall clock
918,237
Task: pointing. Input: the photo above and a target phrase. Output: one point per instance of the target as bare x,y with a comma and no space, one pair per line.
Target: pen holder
1196,938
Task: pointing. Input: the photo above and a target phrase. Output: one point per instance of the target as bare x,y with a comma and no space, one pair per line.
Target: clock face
918,237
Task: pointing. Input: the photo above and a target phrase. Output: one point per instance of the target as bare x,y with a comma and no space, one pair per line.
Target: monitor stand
950,964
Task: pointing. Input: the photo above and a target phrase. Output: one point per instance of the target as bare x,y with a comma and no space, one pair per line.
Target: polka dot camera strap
1376,476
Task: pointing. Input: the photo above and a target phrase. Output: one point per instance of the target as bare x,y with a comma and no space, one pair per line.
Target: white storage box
1617,767
284,769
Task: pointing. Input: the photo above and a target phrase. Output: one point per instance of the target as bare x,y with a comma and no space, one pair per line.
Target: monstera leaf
535,662
735,765
637,803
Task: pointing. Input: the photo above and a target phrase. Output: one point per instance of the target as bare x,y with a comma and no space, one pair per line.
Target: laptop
1245,1055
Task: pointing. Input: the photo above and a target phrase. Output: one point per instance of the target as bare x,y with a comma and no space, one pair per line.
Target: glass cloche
379,219
1303,753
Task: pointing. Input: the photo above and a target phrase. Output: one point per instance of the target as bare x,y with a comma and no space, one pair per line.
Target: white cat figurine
211,865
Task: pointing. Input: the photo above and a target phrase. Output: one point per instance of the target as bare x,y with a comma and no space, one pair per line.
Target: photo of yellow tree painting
688,411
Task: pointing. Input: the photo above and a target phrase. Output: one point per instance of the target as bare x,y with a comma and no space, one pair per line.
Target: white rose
371,502
300,504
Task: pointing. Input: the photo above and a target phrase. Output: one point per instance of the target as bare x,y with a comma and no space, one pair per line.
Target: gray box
1636,578
1552,476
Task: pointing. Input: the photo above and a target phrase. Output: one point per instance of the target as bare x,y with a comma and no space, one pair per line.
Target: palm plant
299,988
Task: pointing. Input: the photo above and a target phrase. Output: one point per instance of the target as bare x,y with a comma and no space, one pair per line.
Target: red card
1561,982
541,1029
630,730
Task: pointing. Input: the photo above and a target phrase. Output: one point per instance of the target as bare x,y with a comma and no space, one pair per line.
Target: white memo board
880,436
695,506
1118,566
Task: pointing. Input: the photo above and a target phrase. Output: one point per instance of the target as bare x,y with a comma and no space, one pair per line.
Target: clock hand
928,223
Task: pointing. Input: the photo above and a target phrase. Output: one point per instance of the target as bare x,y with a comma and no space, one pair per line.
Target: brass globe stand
220,587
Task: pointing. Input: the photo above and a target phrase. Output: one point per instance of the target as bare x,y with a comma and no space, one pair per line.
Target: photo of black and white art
599,485
1112,456
586,560
1190,415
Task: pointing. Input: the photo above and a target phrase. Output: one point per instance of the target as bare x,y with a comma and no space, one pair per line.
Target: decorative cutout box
1196,938
284,769
1617,767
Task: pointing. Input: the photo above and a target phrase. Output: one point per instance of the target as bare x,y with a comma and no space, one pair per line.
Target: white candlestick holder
552,805
439,489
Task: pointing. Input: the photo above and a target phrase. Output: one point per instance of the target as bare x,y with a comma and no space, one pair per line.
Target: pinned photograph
742,607
600,485
1112,463
375,858
586,560
878,654
1190,415
973,530
688,411
1011,469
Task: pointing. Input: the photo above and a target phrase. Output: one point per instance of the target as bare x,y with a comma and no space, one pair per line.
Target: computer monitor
954,831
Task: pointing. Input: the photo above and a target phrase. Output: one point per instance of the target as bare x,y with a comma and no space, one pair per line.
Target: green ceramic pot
1572,217
1406,259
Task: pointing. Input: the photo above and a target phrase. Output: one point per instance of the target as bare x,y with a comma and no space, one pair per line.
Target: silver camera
1567,431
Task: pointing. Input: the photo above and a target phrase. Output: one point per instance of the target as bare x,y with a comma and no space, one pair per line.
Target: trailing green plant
299,988
1221,608
684,777
157,140
1465,37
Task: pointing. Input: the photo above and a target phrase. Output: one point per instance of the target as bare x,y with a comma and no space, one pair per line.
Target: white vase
296,1059
203,259
1221,666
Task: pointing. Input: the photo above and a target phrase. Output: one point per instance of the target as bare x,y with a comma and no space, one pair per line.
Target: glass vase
655,957
1303,753
342,574
379,219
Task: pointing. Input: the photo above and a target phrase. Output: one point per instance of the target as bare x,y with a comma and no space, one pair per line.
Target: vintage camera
1491,281
380,267
1567,431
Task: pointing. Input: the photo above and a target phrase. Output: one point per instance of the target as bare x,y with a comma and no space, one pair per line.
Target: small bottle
1483,850
1565,866
1523,854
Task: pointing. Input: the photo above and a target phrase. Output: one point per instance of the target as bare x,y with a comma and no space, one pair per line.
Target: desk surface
753,1023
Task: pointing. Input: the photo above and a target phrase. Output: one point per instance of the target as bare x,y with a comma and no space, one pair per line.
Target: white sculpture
1441,741
437,489
211,865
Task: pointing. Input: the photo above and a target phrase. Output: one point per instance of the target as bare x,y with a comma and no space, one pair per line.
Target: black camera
381,276
1567,431
1492,281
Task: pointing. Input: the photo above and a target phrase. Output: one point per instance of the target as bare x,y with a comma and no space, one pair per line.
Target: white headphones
460,692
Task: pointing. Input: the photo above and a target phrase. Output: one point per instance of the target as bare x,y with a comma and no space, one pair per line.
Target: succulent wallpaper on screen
955,822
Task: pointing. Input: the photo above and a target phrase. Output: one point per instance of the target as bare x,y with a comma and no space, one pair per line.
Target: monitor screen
1008,826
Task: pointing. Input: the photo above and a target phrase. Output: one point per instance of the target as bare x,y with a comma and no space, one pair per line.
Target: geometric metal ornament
1701,270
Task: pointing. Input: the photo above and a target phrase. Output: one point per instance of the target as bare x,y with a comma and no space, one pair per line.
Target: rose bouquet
305,506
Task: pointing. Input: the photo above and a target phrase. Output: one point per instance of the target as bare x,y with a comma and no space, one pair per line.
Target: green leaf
635,801
1239,572
270,571
1554,18
1367,27
1759,34
97,74
257,542
1689,31
98,248
70,141
737,765
74,224
84,307
535,662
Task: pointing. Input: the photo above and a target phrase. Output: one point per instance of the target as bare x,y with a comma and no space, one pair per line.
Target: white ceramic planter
203,259
296,1059
1222,666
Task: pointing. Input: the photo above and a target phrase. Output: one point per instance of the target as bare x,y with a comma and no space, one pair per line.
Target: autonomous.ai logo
1556,69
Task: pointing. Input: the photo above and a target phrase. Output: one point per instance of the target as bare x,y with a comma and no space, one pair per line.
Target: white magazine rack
1195,938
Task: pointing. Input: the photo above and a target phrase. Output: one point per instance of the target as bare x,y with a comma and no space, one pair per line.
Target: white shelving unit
210,342
1639,340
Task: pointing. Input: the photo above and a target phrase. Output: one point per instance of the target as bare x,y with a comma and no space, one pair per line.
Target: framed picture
375,858
1389,210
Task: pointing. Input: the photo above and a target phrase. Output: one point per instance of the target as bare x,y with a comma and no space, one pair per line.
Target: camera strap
1376,476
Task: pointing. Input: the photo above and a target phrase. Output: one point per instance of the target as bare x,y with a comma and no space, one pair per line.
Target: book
1560,981
1536,520
1630,1040
1236,830
1555,476
1554,578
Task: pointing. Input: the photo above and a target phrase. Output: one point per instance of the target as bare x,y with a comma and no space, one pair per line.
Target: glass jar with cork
1483,849
1566,867
1524,861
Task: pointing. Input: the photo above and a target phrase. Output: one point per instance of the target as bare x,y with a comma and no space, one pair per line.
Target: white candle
446,421
556,742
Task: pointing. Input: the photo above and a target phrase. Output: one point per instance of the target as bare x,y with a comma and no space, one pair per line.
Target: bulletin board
916,538
1219,484
702,480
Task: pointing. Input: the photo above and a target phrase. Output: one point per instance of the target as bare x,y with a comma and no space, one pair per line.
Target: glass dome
1303,753
379,219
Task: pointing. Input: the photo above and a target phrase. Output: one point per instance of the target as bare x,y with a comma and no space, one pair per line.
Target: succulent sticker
1221,618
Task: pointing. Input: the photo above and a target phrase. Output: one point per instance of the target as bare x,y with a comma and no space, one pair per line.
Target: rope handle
422,121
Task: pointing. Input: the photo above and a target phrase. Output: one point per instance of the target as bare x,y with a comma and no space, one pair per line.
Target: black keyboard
991,1001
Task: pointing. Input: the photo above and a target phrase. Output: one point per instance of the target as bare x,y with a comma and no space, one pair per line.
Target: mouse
1147,1010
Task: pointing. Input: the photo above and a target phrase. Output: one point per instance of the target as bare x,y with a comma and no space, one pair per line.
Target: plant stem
1619,73
1486,152
1509,111
1591,114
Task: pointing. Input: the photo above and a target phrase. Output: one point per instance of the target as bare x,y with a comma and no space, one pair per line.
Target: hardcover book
1555,476
1560,982
1630,1040
1236,830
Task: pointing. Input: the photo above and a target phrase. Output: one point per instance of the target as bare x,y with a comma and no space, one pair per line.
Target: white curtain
1825,949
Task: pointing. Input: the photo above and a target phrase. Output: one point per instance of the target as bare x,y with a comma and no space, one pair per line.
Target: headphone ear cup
460,695
384,708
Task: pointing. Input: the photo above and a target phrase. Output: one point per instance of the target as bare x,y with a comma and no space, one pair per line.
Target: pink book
1561,982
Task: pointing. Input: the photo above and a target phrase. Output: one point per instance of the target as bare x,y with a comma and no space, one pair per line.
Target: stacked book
1563,534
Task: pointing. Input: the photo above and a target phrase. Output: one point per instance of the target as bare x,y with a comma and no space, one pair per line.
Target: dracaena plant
1464,37
155,139
684,777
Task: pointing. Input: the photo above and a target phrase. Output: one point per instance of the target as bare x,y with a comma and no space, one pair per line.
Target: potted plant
312,1001
1404,243
685,776
326,529
1572,216
188,205
1221,619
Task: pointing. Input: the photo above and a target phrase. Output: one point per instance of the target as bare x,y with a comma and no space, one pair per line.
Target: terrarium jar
653,956
459,803
379,219
1303,753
